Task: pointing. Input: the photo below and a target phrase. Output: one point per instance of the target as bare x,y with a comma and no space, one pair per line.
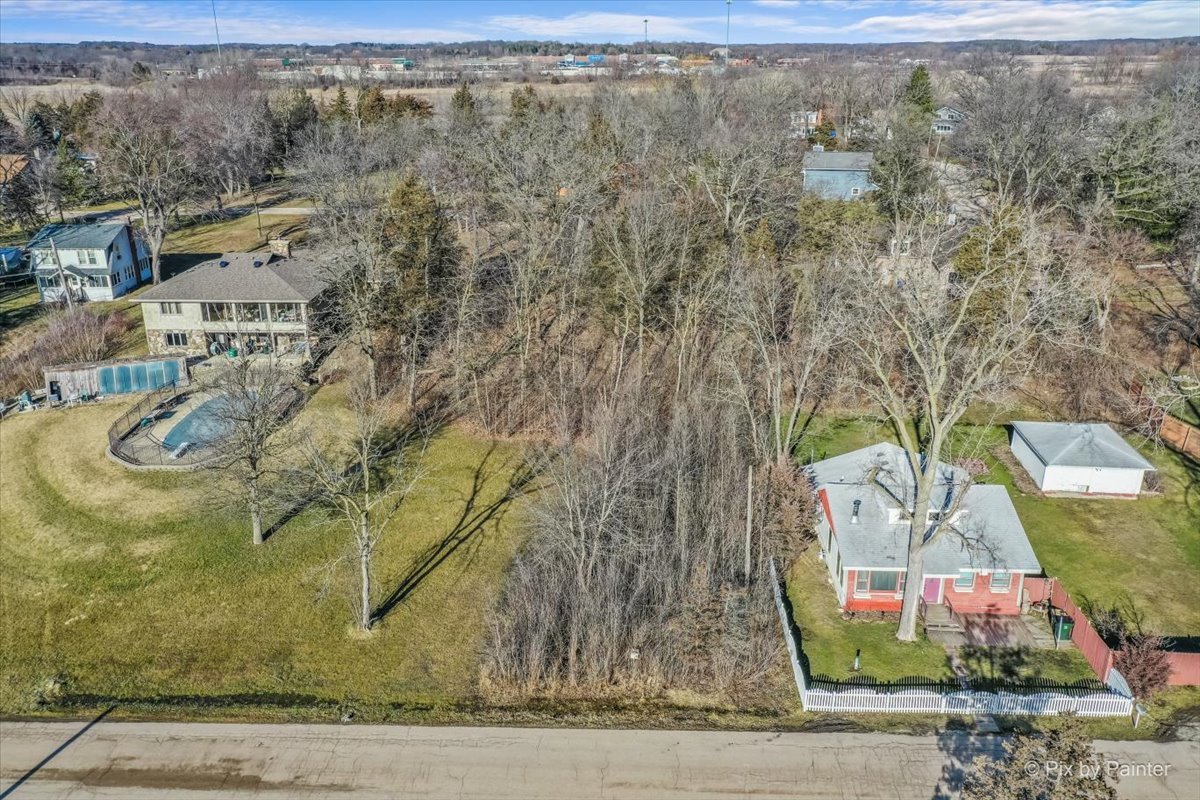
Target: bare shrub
633,575
1144,663
71,336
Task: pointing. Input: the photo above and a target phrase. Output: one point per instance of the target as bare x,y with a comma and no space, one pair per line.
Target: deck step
939,618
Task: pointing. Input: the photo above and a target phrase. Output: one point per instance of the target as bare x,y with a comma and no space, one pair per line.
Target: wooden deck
987,630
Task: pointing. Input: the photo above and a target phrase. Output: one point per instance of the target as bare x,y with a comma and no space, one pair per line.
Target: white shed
1079,457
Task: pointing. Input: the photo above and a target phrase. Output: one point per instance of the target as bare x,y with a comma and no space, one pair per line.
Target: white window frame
959,587
862,578
89,258
1007,579
170,308
179,334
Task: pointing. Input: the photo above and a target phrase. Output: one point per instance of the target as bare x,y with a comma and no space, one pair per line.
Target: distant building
250,302
98,261
946,120
805,123
838,176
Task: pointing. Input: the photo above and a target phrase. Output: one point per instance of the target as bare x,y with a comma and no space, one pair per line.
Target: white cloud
777,3
598,24
950,20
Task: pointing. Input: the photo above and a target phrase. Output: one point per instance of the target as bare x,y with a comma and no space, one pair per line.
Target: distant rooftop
1079,444
815,159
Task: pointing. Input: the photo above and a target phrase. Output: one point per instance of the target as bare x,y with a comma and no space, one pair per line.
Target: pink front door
932,590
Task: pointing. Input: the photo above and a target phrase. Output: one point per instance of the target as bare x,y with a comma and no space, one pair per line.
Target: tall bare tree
144,154
954,322
254,398
362,480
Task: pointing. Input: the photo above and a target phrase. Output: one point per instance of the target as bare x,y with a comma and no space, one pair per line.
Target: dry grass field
144,585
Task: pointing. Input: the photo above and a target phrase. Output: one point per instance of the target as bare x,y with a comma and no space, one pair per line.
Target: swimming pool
203,425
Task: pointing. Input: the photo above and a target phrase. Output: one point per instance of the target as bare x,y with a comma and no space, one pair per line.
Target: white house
1079,457
96,260
946,120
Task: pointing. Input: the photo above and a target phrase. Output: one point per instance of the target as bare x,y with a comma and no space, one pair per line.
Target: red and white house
977,564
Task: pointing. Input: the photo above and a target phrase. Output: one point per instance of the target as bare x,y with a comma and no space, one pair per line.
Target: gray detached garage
1079,457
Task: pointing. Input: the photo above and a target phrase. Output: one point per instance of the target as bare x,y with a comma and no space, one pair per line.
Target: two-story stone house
249,302
94,260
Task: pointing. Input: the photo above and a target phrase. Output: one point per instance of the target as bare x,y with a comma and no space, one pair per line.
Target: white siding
1029,460
1093,480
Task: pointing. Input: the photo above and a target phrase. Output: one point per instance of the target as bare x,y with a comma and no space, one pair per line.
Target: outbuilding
1079,457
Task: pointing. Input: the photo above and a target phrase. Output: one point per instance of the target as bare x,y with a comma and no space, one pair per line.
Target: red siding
981,599
876,601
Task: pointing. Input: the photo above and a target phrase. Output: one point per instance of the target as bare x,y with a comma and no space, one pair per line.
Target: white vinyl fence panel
867,699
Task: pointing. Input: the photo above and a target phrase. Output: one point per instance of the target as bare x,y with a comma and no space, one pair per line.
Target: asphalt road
177,760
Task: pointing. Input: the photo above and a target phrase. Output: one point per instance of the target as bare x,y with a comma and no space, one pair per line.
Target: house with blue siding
838,176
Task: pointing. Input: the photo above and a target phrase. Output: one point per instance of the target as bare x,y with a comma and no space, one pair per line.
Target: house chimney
854,513
281,247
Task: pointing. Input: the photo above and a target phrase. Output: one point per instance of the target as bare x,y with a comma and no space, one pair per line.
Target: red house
977,564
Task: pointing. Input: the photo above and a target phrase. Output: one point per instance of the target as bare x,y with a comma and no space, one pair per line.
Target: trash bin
1064,626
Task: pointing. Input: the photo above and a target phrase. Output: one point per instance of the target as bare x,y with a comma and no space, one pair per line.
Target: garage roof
1080,444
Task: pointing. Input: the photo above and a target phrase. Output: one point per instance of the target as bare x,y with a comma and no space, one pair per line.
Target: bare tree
1024,134
965,321
227,126
782,334
142,151
254,399
362,480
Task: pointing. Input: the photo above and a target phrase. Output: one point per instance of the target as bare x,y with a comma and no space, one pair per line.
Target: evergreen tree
919,93
462,104
71,184
373,106
339,111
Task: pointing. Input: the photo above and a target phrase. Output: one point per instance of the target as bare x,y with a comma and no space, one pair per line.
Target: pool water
202,426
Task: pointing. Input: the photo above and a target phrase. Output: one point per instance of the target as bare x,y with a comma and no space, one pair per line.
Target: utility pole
646,38
62,277
217,29
749,516
728,10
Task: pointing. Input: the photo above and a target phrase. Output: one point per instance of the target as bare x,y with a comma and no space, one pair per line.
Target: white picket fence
867,700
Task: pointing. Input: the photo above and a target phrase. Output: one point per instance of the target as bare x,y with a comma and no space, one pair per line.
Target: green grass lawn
831,642
141,585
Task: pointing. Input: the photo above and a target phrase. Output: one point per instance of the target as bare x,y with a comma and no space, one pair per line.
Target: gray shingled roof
838,161
83,236
1079,444
274,280
986,533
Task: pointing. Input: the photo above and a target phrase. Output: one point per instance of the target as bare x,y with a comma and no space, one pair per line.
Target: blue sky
407,21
